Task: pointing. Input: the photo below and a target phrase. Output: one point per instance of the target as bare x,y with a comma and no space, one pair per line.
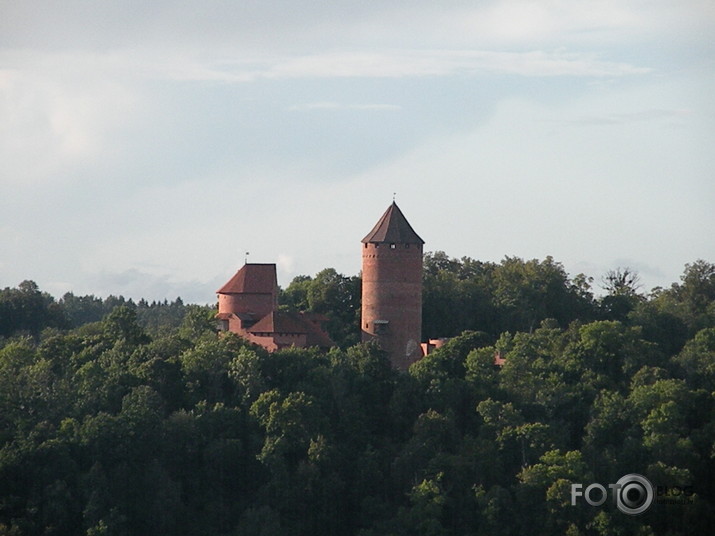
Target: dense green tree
697,291
331,294
514,295
532,291
205,366
26,309
456,296
82,309
544,492
692,300
697,360
121,325
295,296
622,286
145,421
659,325
197,321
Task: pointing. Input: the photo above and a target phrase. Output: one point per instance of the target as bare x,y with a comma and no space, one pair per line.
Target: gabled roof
394,228
316,335
295,323
252,279
279,322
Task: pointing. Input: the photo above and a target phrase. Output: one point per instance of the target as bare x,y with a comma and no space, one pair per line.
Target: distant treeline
27,310
458,295
517,295
111,424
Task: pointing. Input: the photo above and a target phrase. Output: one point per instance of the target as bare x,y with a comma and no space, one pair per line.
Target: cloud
285,263
641,267
58,110
338,106
68,105
156,145
274,25
137,284
241,67
405,63
639,116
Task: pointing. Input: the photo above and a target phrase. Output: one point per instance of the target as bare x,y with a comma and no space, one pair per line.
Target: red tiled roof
279,322
252,279
316,318
316,335
301,323
393,227
320,339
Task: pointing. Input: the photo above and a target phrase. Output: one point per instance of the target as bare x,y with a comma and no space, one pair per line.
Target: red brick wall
392,291
260,304
278,340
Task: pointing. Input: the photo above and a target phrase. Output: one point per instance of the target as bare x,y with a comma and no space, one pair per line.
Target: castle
248,306
391,298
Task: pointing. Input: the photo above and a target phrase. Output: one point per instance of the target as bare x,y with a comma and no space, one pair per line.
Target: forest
134,418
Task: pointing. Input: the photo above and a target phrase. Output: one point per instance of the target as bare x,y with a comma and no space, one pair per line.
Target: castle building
391,299
392,288
248,306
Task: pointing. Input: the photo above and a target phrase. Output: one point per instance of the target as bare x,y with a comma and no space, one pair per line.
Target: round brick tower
392,288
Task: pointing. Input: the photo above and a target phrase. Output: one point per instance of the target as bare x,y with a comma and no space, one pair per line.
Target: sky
145,147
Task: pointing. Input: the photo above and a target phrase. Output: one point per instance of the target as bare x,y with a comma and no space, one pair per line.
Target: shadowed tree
622,286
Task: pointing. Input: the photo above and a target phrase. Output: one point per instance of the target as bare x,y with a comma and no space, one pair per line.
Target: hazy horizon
147,147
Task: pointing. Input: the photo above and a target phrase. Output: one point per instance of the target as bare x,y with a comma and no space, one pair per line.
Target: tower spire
393,227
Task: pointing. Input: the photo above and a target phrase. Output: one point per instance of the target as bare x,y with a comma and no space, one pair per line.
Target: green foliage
622,286
514,295
27,310
332,294
144,421
692,301
697,360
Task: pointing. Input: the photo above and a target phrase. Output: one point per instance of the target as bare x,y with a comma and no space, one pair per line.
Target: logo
632,494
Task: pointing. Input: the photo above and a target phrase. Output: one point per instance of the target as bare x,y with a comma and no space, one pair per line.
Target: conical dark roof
393,227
